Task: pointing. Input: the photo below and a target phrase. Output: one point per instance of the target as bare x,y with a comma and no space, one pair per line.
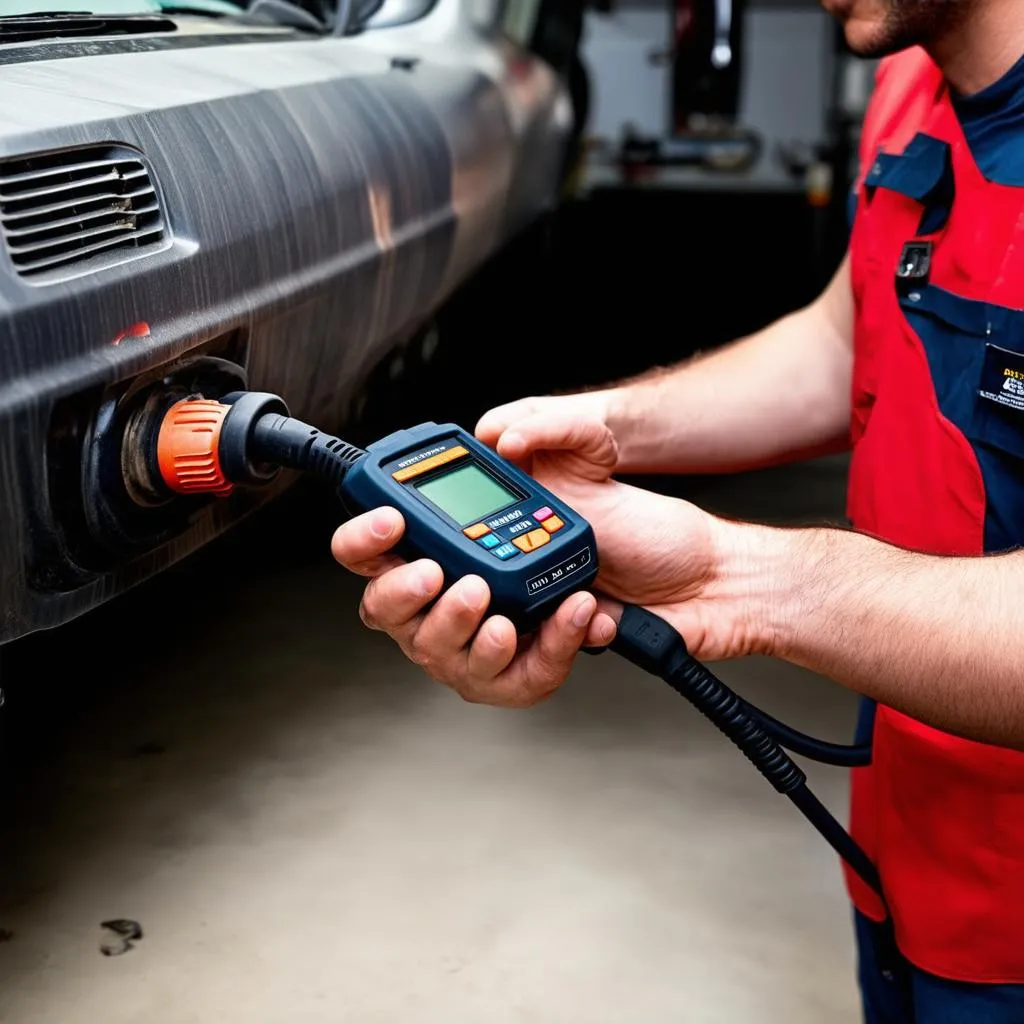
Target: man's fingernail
583,614
426,583
512,439
606,631
474,594
382,525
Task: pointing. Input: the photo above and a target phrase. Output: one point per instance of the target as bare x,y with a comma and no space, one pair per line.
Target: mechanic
913,355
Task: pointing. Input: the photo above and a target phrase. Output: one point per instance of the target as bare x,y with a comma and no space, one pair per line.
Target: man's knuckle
368,618
415,646
539,690
551,665
544,693
471,694
548,674
364,567
421,653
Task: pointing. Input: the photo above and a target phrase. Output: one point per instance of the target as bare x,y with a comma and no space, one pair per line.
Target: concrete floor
309,831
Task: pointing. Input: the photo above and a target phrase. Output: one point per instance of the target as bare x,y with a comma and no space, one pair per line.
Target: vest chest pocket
975,354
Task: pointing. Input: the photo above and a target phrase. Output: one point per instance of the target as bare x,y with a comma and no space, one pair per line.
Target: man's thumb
495,422
585,436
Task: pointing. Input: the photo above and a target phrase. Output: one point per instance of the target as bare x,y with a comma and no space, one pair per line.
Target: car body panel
324,197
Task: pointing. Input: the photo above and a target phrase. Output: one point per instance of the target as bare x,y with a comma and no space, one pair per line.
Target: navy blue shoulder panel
993,124
956,334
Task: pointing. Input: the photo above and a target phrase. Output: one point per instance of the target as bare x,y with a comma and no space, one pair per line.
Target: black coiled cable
720,705
842,755
653,645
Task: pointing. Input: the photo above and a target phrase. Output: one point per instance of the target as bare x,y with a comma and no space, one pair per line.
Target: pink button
543,513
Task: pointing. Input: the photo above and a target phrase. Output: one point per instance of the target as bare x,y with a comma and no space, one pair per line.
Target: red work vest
938,468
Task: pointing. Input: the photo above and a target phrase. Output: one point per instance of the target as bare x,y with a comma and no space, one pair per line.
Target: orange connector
188,447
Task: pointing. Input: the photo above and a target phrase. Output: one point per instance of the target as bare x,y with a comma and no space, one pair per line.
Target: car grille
71,212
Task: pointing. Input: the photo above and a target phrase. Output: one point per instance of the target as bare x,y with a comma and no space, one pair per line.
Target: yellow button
552,523
532,540
401,475
476,531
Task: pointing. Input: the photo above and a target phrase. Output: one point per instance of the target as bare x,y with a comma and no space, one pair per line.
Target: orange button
552,523
401,475
532,540
476,530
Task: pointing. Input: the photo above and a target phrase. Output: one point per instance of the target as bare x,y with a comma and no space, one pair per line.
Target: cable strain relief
650,643
331,458
286,441
647,641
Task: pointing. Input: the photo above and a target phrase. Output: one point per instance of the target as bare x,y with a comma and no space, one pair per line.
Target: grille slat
120,208
32,175
16,217
35,265
125,222
57,186
94,206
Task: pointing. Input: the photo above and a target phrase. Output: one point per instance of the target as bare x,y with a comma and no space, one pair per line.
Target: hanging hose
653,645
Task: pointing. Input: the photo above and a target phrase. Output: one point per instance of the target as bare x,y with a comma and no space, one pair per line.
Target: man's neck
983,47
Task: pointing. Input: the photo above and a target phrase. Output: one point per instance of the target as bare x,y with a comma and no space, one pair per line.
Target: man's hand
574,429
482,659
654,551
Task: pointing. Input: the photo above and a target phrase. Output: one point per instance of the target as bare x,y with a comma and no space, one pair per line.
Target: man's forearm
778,394
940,639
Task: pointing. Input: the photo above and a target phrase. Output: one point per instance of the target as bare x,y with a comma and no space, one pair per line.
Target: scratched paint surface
321,201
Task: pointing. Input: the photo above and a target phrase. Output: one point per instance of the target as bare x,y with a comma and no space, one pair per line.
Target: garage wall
786,66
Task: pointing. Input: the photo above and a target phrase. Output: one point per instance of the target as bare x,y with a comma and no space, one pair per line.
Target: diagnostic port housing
106,504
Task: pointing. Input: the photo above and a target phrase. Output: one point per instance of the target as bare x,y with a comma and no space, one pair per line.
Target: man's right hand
452,639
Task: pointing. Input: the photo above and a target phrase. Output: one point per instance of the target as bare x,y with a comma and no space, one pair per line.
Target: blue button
490,541
505,551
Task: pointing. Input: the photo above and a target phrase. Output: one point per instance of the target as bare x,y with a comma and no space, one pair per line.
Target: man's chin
867,38
864,26
863,39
